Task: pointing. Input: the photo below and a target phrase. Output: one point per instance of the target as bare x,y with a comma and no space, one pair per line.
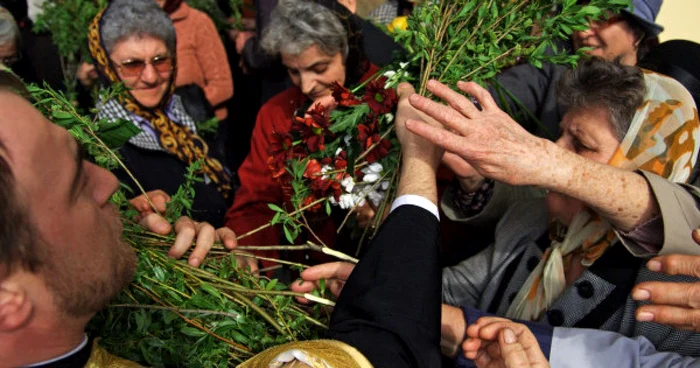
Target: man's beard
83,291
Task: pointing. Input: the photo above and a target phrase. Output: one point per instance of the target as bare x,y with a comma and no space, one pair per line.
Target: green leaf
345,121
191,331
114,135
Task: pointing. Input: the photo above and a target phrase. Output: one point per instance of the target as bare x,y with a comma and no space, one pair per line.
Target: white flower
385,185
376,197
348,183
389,74
389,117
374,168
346,201
370,178
403,65
347,139
338,151
324,170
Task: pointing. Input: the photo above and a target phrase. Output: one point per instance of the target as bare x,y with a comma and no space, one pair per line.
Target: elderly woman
319,43
133,42
569,259
201,56
9,39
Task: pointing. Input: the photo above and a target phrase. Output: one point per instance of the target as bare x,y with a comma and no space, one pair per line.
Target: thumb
512,351
405,89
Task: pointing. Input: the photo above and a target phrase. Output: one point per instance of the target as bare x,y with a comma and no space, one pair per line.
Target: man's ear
15,306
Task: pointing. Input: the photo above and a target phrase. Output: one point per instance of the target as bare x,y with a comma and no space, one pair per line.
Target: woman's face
145,66
587,132
610,38
313,71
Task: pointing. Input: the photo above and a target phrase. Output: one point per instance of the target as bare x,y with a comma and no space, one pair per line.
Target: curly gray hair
9,32
296,25
596,82
136,18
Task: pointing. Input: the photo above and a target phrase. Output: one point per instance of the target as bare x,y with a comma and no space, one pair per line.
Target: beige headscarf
663,139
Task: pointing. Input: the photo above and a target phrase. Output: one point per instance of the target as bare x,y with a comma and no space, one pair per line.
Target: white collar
82,345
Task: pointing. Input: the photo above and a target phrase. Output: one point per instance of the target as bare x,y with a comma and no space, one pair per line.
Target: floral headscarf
663,138
176,139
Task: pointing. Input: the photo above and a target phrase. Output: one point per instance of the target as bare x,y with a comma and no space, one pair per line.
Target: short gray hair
124,19
9,32
296,25
597,82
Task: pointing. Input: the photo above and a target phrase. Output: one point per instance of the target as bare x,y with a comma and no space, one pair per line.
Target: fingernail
413,97
645,316
432,82
509,336
654,265
195,262
641,294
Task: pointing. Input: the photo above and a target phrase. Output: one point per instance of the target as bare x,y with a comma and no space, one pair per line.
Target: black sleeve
390,306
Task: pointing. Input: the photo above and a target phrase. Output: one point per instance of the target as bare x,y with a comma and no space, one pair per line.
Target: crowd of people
595,257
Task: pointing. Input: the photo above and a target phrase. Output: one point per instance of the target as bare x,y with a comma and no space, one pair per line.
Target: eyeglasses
11,60
133,68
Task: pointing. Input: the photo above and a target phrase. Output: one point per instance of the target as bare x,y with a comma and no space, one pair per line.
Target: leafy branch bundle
350,155
173,314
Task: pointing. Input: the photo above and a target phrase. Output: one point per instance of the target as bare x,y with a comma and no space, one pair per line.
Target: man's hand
241,39
495,342
412,145
488,139
676,304
335,274
187,230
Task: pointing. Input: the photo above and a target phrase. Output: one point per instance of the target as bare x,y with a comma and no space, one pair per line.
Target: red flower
379,151
343,96
313,169
379,99
313,127
281,150
311,199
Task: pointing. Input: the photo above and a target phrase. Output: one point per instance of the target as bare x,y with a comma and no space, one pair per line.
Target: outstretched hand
335,274
495,342
187,230
488,139
676,304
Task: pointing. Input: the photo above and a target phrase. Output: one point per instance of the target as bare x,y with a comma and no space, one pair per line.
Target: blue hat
644,12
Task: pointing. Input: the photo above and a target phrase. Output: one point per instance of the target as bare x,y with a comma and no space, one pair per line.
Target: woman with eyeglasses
133,42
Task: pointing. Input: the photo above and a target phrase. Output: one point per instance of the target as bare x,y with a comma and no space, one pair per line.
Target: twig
175,309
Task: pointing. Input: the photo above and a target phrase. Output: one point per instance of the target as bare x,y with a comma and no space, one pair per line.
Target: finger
206,235
449,141
696,236
676,264
333,270
683,318
445,115
156,223
160,199
494,351
454,99
681,294
301,286
185,232
483,359
227,237
471,347
458,165
405,90
336,287
491,330
479,93
511,351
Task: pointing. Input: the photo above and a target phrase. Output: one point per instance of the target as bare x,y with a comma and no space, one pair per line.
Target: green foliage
181,202
213,11
473,39
67,21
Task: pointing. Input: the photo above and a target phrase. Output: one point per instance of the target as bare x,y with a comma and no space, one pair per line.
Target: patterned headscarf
663,138
178,140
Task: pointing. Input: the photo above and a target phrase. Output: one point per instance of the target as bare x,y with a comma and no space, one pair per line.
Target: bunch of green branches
472,40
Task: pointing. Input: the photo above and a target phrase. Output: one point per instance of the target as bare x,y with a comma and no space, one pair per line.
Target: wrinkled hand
412,145
489,140
676,304
186,230
453,327
335,274
495,342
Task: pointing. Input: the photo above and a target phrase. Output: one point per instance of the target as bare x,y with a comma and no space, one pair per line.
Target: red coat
249,210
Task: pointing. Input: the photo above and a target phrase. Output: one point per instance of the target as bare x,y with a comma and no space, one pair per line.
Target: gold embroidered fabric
100,358
314,354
